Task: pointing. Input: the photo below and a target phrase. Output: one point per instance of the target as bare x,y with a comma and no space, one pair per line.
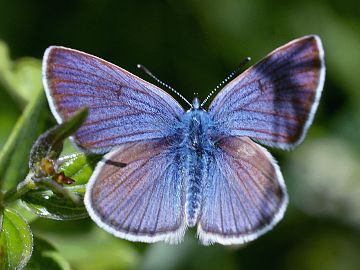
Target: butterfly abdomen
196,148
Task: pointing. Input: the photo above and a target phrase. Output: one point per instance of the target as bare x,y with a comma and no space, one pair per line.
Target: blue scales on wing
137,193
122,107
274,101
245,194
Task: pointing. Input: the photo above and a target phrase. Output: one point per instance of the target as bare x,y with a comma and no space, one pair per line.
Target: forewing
274,101
137,193
245,194
122,107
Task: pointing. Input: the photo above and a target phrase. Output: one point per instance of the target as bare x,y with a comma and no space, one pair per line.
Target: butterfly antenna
228,78
148,72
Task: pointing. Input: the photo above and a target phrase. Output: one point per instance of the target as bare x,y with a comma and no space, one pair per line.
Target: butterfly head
196,104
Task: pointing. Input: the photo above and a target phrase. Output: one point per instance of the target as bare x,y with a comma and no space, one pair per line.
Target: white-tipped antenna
162,83
228,78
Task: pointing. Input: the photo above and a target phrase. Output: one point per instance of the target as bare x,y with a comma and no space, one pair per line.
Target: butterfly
165,168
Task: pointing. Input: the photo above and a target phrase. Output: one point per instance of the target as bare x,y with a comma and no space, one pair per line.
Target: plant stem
22,188
59,189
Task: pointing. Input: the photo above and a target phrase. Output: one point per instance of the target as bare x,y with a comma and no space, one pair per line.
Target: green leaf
16,241
22,78
79,166
18,206
47,204
45,256
50,143
15,153
95,250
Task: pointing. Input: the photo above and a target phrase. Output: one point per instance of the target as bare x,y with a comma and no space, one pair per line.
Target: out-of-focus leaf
22,78
5,63
47,204
187,255
79,166
50,143
45,256
1,221
95,250
325,175
173,256
329,249
16,241
15,153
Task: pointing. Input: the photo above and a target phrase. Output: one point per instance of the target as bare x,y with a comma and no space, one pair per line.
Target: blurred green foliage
193,45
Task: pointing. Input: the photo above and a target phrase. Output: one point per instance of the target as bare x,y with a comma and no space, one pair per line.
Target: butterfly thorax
196,147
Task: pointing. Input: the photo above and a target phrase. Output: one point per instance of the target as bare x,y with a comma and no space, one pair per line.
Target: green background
193,45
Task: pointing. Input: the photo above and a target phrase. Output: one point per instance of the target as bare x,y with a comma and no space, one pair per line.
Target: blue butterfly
178,168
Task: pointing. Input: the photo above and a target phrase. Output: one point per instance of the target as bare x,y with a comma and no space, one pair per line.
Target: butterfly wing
274,101
137,193
245,195
122,107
